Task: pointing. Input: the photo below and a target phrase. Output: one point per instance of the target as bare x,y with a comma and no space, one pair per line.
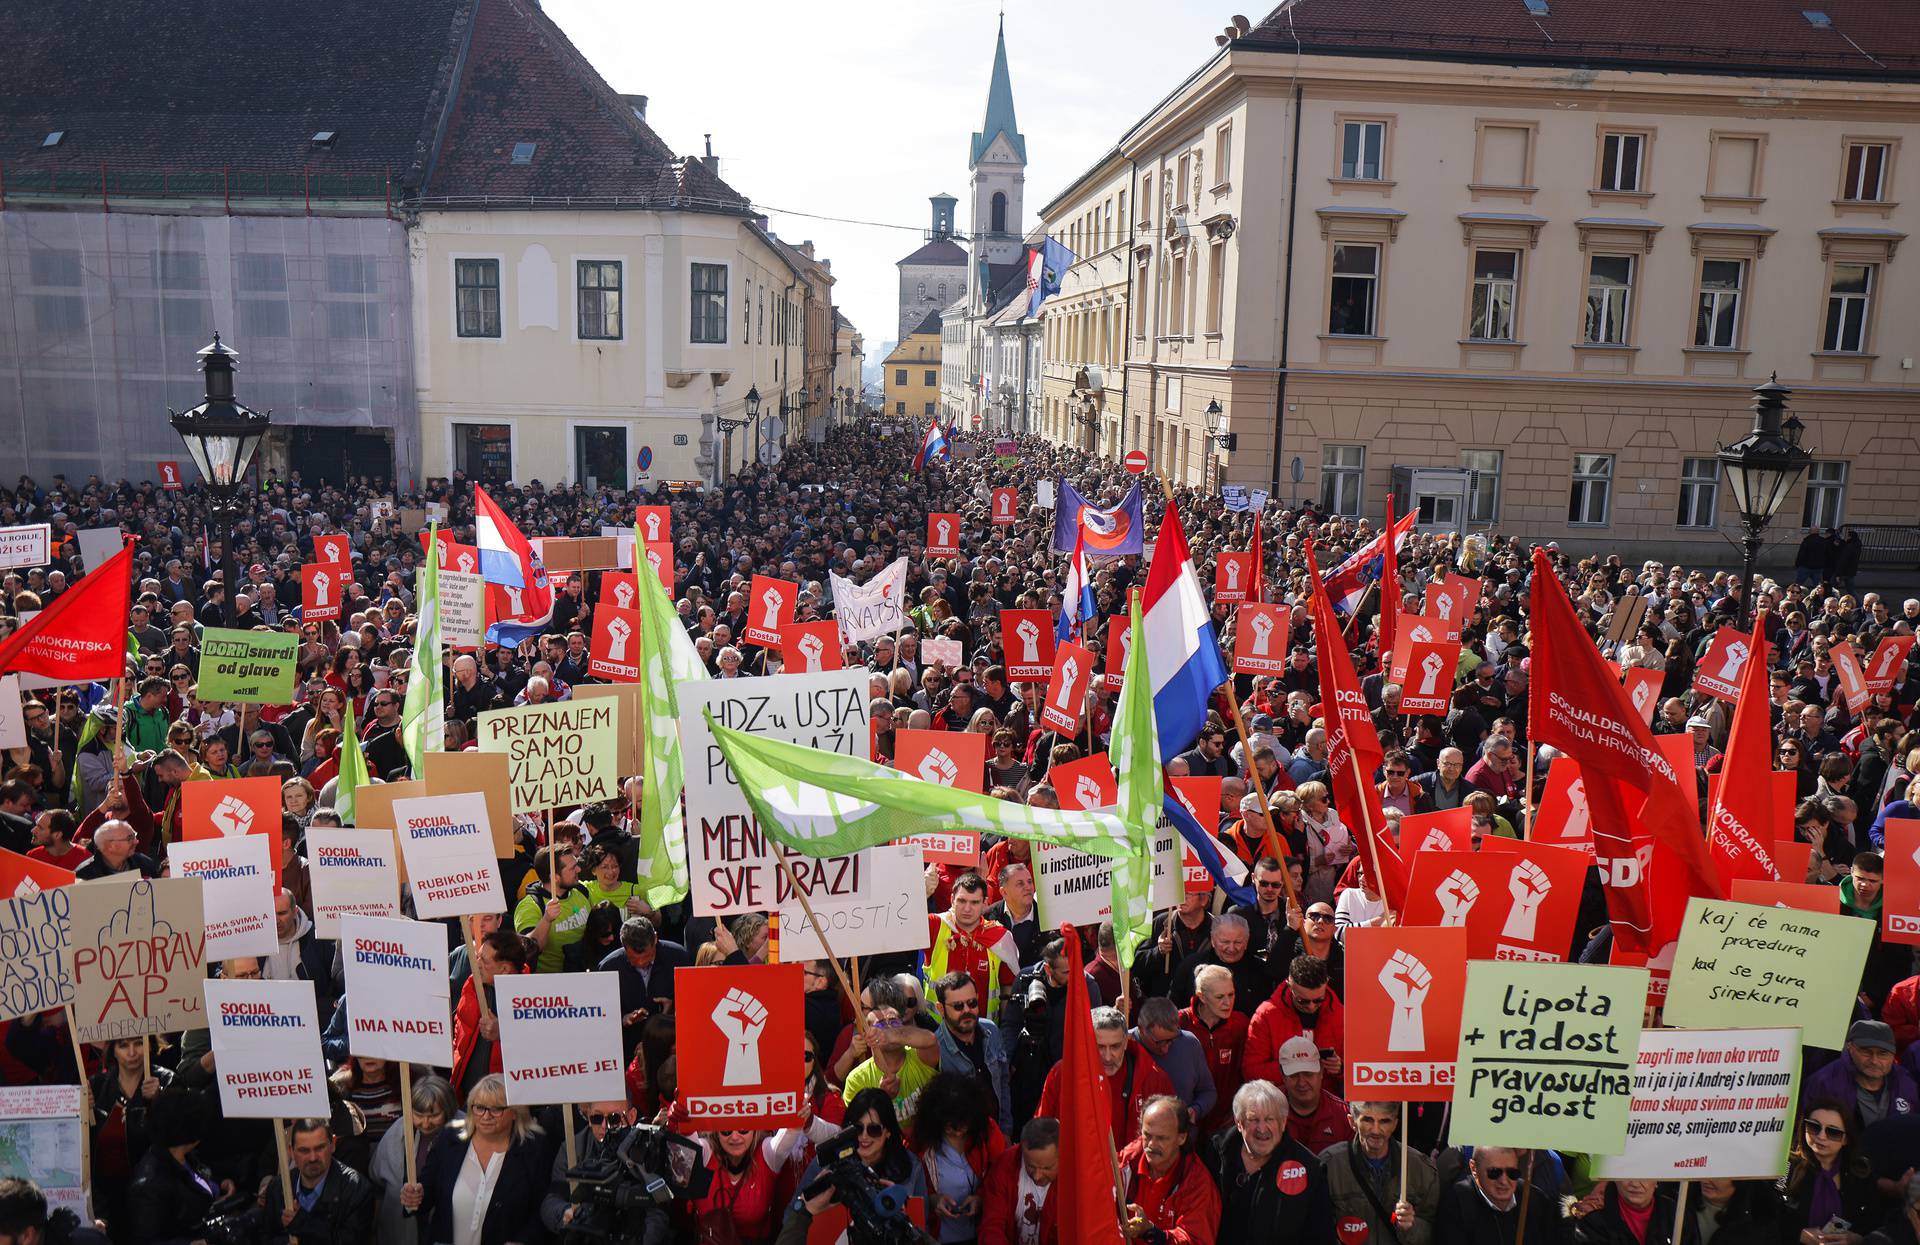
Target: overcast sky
863,108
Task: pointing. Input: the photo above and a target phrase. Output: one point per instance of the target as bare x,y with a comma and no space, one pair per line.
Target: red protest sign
1801,895
615,651
809,648
1450,601
453,555
655,524
1852,679
1200,796
1027,637
1449,830
1409,630
952,759
1405,990
1718,674
943,535
737,1031
170,475
770,606
1793,859
1260,639
660,558
1429,685
1067,689
1643,689
1563,819
1005,505
1888,660
332,548
230,807
22,876
321,586
1119,639
1086,783
1517,900
1900,907
1232,576
619,590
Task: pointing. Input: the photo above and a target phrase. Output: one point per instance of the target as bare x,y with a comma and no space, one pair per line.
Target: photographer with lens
866,1168
747,1166
564,1203
332,1203
482,1181
173,1191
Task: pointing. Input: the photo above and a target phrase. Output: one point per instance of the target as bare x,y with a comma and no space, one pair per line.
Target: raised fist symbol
1029,639
770,604
1125,643
1262,625
1407,982
1885,667
1444,607
1069,676
515,605
1528,885
322,589
1430,673
618,633
1457,895
938,767
741,1019
811,650
466,563
1232,568
653,527
1437,841
653,560
623,595
944,533
1735,659
1579,820
231,816
1641,692
28,889
1002,504
1087,791
1420,635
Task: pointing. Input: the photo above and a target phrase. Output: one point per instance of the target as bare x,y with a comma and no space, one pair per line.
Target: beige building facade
1564,282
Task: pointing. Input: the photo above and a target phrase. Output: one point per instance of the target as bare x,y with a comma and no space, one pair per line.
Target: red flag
1579,707
1084,1190
1259,568
1740,825
1353,747
1390,593
83,635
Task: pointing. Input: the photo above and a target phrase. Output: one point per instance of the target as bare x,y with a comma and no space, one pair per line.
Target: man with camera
332,1203
1035,1022
606,1124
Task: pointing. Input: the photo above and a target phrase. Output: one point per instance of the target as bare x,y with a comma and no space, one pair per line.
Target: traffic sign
1136,461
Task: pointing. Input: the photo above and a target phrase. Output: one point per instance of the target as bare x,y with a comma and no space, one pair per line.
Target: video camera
638,1169
876,1213
235,1220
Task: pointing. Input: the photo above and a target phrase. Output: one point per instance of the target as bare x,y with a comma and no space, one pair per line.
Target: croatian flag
935,444
1076,601
504,552
1347,583
1184,659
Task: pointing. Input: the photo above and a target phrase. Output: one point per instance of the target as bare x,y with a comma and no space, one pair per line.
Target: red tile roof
1867,39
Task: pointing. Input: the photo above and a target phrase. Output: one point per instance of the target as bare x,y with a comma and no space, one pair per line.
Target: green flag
667,659
353,769
823,803
423,716
1135,749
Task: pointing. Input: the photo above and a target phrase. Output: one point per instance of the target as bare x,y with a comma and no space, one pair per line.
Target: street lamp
1222,434
1762,468
728,427
222,436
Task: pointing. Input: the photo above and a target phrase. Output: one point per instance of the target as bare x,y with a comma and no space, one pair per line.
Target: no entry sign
1136,461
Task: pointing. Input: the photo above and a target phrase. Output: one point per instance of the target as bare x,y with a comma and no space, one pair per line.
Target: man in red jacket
1304,1005
476,1038
1223,1036
1016,1202
1170,1197
1128,1072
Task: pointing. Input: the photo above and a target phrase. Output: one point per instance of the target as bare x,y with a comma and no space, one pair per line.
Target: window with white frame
709,318
1592,492
1216,284
1352,299
1362,146
1222,153
1496,282
1483,486
1866,175
1609,299
599,299
1849,300
1826,495
1717,322
1342,469
476,296
1620,161
1699,491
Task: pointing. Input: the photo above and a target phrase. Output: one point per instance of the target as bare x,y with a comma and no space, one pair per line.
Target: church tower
998,160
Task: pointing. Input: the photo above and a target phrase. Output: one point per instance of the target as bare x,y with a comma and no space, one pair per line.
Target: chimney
710,160
638,103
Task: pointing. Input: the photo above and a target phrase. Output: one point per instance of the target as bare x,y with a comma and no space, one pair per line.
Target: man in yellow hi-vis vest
962,940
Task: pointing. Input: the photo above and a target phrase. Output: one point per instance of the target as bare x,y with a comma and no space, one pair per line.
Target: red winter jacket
1183,1204
1274,1021
1225,1046
1902,1012
1148,1081
466,1032
1000,1212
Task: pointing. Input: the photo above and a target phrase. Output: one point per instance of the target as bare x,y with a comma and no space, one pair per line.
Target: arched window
999,212
920,290
943,293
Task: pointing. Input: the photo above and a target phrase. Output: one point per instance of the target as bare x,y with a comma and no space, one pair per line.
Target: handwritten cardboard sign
560,754
139,957
36,950
1743,964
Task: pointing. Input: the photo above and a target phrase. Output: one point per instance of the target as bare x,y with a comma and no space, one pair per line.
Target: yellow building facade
910,381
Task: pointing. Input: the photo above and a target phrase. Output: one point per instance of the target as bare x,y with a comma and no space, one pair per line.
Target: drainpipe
1286,299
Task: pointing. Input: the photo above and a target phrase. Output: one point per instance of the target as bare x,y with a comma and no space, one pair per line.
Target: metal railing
105,183
1889,544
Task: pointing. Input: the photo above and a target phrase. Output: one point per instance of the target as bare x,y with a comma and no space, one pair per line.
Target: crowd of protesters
1225,1071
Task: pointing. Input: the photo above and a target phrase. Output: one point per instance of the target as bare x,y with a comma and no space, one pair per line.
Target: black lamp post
222,436
1762,468
730,426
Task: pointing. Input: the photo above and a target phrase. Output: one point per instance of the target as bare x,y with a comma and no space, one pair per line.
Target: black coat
342,1215
639,995
1467,1218
1860,1203
1255,1208
513,1213
165,1204
1751,1216
1606,1227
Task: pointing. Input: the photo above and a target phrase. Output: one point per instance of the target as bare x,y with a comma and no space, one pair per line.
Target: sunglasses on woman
875,1130
1816,1129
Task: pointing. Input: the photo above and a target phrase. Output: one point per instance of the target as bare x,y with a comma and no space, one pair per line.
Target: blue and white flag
1114,532
1045,264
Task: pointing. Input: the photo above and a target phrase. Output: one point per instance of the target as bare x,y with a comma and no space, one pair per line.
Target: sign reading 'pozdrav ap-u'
561,754
252,666
731,863
139,957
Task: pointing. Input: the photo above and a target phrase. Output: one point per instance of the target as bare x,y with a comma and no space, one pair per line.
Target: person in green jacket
145,715
555,908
